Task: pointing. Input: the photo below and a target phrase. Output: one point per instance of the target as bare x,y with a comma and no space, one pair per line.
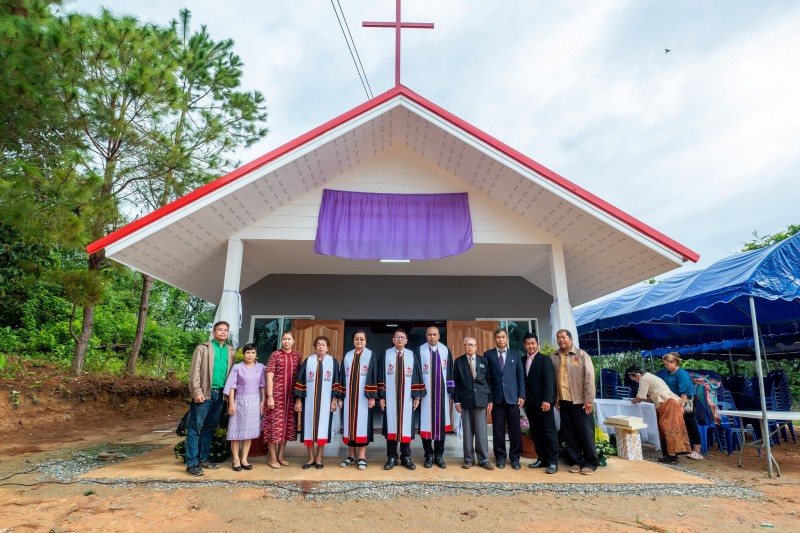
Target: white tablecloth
645,411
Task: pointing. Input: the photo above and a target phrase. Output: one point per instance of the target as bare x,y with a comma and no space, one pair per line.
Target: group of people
677,425
412,391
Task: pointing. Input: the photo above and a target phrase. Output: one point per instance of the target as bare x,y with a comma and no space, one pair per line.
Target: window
266,331
517,328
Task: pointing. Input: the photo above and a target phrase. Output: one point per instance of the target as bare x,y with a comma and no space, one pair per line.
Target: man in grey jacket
575,394
211,363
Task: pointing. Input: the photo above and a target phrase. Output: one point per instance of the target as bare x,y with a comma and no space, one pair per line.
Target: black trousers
691,428
577,428
433,448
505,416
543,433
391,449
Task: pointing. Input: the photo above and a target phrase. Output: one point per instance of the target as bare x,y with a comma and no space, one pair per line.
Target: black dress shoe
440,462
501,464
428,461
536,464
515,465
408,463
308,465
552,469
247,467
391,462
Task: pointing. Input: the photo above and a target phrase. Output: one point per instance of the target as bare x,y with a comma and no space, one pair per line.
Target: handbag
688,407
181,429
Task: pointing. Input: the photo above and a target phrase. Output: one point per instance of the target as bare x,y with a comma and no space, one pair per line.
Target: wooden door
481,330
305,331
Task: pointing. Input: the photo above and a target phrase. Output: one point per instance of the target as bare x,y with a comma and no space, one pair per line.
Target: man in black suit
508,391
540,394
473,399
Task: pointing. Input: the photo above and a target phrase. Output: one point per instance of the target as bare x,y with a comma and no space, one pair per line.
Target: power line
351,46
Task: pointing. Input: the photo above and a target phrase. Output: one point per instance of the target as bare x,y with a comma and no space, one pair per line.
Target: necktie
502,360
472,365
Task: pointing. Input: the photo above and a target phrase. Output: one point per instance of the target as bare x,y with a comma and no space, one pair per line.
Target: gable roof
371,127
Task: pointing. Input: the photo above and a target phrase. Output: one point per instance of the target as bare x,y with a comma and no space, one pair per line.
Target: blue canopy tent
745,303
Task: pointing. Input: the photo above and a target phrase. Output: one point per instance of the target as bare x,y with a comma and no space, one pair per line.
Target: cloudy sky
702,143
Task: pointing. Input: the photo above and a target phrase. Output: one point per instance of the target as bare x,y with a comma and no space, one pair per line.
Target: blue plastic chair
623,392
609,381
706,424
729,430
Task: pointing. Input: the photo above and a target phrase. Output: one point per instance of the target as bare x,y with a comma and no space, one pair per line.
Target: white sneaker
695,455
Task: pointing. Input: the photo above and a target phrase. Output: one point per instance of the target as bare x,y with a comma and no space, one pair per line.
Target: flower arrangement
603,446
524,424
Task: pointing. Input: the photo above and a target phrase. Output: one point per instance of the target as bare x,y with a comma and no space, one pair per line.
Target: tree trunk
82,343
147,285
93,296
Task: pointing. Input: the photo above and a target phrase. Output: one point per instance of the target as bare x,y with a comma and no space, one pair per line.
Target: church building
394,214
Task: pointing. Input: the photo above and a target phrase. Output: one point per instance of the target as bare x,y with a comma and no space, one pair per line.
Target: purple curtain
361,225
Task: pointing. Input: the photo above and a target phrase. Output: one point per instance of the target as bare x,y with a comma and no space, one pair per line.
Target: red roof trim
359,110
220,182
555,178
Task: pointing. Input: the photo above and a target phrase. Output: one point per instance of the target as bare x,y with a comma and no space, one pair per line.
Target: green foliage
768,240
220,449
15,401
101,112
545,348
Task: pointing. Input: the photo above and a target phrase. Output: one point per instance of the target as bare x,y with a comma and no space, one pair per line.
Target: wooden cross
397,25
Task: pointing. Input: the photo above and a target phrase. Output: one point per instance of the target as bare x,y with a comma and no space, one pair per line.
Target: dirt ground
94,412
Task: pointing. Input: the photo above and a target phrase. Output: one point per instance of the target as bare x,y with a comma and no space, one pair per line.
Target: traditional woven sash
356,405
317,405
398,395
433,404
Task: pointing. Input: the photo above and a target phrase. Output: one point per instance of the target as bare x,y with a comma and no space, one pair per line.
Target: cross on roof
397,25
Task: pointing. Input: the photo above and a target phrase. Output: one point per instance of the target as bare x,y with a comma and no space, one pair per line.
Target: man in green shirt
211,363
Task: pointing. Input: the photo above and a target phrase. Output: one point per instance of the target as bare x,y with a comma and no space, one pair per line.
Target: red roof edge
556,178
222,181
363,108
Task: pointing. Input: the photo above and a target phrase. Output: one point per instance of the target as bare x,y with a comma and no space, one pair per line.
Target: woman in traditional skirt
671,428
245,391
679,382
280,421
316,389
358,385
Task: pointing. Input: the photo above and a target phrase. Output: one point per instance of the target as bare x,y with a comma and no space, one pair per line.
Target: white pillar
561,316
230,302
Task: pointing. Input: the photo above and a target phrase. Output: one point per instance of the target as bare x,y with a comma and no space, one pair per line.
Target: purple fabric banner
360,225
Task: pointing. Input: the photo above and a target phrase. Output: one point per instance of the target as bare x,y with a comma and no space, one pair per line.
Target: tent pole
765,437
730,359
602,385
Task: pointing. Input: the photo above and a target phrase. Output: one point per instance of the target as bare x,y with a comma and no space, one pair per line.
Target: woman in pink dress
280,421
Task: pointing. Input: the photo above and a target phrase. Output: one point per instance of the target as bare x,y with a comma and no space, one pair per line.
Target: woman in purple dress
245,388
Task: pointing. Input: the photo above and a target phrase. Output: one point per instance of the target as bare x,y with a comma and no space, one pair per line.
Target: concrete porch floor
162,465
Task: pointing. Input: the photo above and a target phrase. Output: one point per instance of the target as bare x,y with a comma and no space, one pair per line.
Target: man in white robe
400,389
436,363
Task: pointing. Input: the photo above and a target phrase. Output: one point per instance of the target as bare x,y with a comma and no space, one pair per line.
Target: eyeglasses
222,330
400,338
470,344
